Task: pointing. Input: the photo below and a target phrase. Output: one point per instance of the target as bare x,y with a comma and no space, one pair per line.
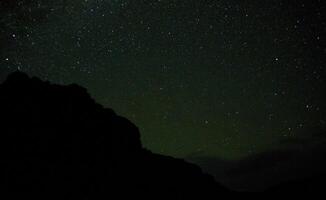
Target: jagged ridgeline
58,143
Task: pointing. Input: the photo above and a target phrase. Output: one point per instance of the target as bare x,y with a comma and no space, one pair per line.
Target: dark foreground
58,143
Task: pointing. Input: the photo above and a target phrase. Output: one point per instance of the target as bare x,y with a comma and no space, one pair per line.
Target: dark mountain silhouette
58,143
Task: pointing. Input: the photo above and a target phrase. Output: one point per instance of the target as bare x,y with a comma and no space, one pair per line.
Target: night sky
225,79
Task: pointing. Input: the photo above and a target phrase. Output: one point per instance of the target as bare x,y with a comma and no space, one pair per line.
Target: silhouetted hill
312,186
279,172
56,142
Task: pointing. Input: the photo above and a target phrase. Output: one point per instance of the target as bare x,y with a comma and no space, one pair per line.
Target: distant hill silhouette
58,143
312,187
296,171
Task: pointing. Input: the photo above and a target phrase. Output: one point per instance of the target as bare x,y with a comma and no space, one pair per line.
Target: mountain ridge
57,140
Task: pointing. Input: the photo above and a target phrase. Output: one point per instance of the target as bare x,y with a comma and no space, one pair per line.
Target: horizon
226,80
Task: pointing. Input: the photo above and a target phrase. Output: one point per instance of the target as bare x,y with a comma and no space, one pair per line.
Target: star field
216,78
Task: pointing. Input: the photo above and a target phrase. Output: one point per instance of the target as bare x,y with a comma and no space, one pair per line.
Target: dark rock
56,142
